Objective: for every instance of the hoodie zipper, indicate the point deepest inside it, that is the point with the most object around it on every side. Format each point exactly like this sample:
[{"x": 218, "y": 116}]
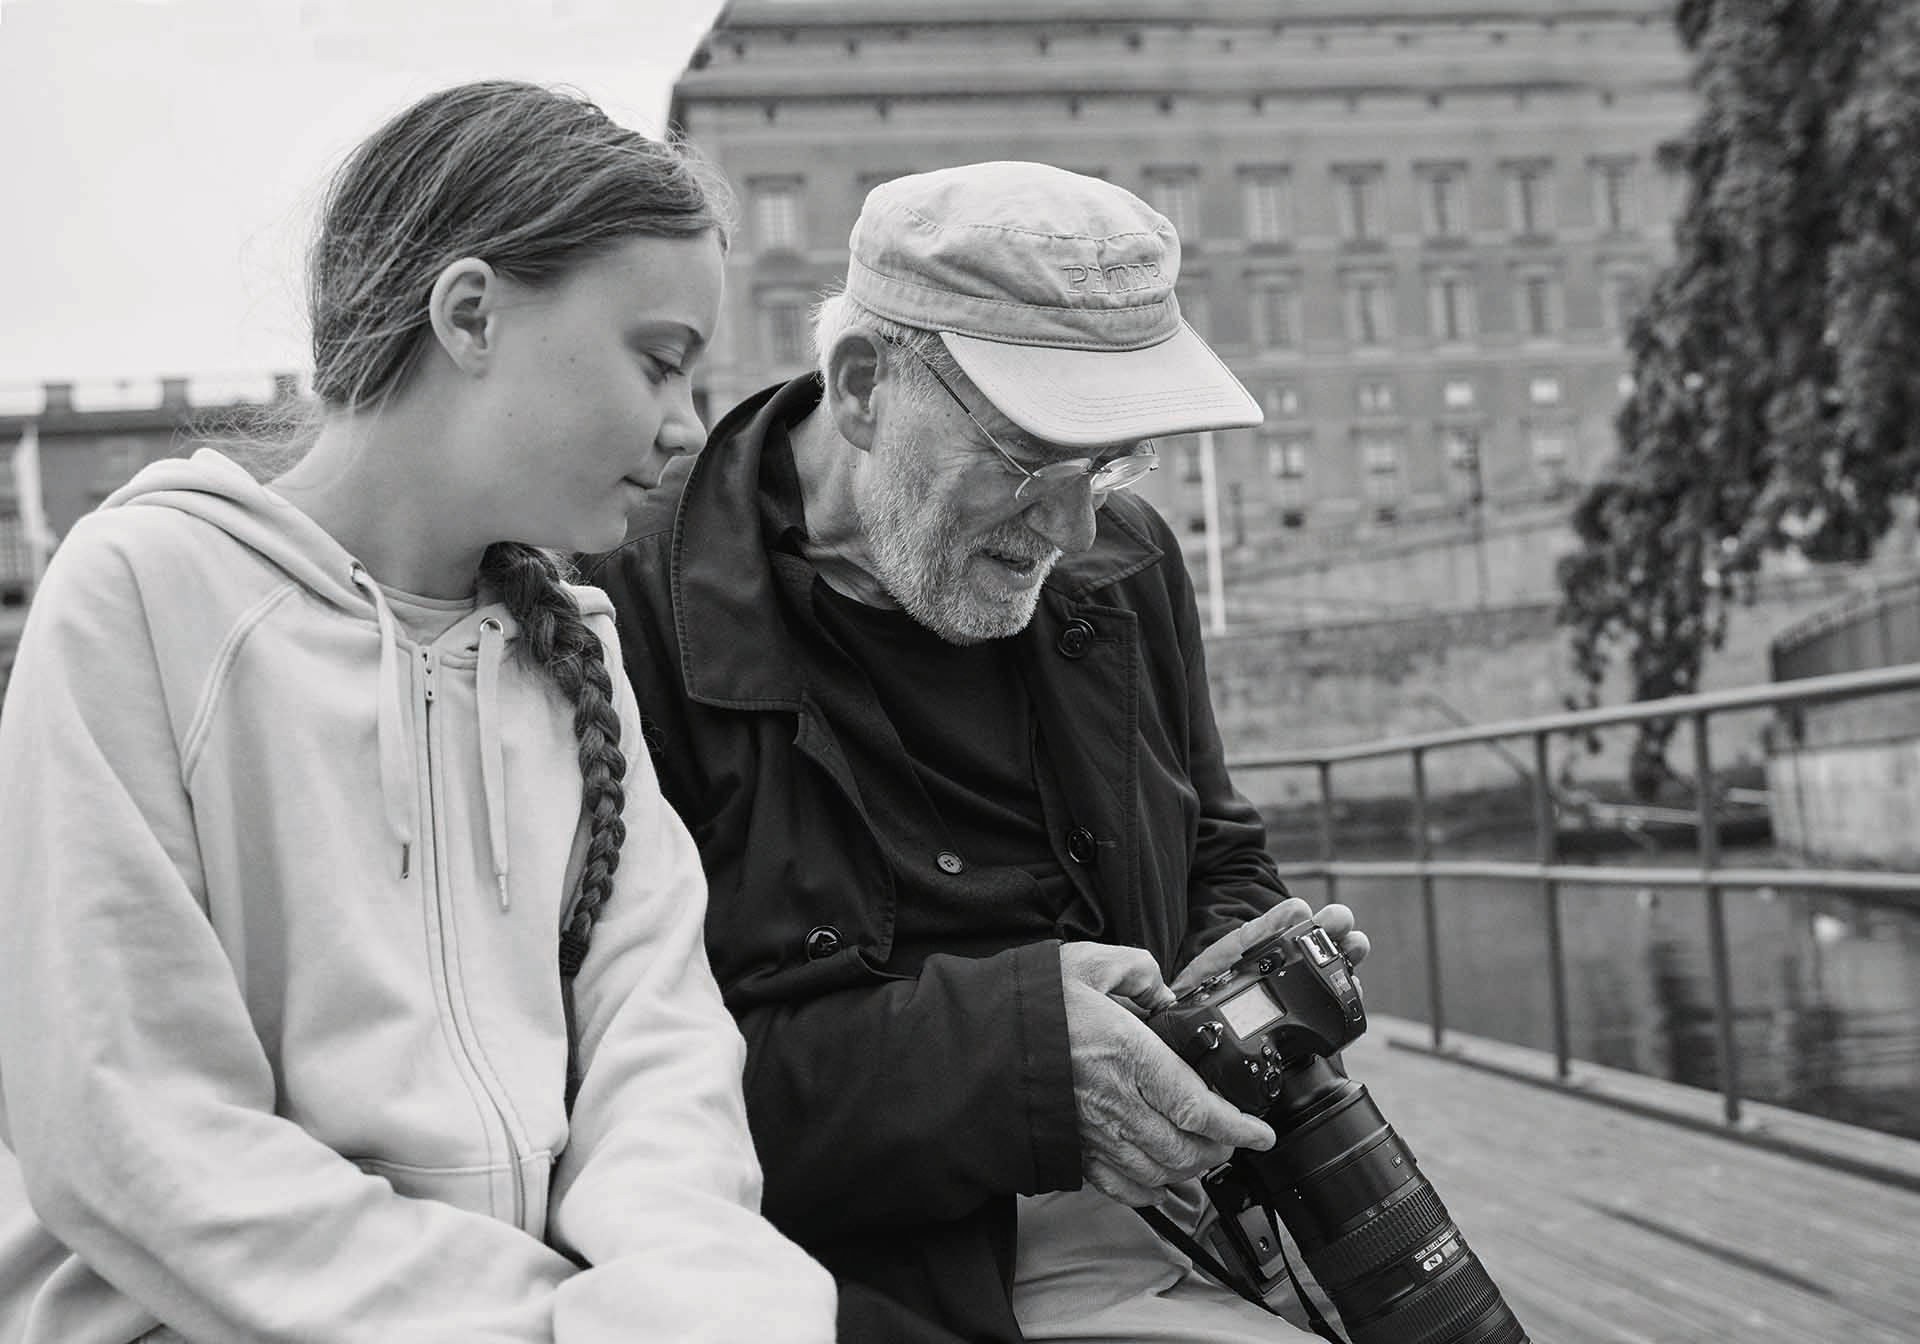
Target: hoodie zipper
[{"x": 463, "y": 1031}]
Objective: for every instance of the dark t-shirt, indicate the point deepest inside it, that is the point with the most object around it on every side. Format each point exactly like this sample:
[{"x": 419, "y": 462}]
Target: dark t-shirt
[{"x": 947, "y": 768}]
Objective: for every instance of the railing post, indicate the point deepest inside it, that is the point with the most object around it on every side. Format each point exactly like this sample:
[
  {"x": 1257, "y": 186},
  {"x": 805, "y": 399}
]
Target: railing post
[
  {"x": 1547, "y": 847},
  {"x": 1330, "y": 884},
  {"x": 1719, "y": 959},
  {"x": 1423, "y": 851}
]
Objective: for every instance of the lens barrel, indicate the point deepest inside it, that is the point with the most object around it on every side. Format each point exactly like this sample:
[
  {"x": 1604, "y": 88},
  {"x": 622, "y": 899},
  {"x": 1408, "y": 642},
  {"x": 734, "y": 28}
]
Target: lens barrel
[{"x": 1372, "y": 1229}]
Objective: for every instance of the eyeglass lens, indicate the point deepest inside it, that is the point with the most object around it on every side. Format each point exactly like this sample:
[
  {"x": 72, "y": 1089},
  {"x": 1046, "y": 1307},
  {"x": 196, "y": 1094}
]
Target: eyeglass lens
[{"x": 1114, "y": 475}]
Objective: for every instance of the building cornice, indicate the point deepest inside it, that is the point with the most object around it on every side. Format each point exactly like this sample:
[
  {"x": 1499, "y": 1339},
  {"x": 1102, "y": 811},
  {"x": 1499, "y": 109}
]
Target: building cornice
[
  {"x": 742, "y": 16},
  {"x": 1281, "y": 81}
]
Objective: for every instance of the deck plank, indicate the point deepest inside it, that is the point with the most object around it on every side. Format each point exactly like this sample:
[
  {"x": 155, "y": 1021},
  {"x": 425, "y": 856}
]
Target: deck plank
[{"x": 1602, "y": 1226}]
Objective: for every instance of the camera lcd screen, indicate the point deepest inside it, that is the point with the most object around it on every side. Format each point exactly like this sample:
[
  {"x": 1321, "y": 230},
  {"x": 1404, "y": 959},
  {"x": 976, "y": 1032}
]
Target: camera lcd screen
[{"x": 1251, "y": 1011}]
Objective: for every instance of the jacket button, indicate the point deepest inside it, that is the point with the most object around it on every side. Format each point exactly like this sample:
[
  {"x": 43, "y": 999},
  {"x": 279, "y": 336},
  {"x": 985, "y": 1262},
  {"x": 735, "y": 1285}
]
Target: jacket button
[
  {"x": 949, "y": 862},
  {"x": 1080, "y": 845},
  {"x": 1075, "y": 639},
  {"x": 822, "y": 941}
]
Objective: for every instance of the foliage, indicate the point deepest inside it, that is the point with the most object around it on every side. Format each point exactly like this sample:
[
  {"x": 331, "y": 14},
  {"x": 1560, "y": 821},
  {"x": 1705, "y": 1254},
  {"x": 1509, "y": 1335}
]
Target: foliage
[{"x": 1775, "y": 402}]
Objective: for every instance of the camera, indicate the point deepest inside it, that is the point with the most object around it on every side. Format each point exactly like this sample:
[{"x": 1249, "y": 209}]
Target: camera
[{"x": 1370, "y": 1227}]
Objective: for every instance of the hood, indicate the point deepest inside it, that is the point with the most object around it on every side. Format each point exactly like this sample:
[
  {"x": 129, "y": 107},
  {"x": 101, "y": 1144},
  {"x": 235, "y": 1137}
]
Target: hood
[{"x": 216, "y": 489}]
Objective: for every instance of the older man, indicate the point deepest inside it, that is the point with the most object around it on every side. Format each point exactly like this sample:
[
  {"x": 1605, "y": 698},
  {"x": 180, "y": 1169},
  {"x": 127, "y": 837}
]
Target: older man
[{"x": 927, "y": 684}]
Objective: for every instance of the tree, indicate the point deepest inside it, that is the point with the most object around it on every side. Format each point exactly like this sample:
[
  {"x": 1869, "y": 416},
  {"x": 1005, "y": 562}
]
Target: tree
[{"x": 1775, "y": 400}]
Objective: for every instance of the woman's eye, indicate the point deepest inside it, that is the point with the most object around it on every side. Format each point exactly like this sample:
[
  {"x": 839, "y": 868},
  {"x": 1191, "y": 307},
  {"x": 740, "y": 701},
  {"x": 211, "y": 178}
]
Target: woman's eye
[{"x": 660, "y": 370}]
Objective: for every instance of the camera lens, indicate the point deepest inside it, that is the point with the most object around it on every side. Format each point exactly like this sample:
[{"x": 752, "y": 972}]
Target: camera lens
[{"x": 1373, "y": 1231}]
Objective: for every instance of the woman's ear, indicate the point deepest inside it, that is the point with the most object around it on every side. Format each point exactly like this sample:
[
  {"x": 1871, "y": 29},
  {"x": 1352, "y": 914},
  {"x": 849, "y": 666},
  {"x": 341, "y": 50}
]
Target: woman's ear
[
  {"x": 462, "y": 308},
  {"x": 854, "y": 368}
]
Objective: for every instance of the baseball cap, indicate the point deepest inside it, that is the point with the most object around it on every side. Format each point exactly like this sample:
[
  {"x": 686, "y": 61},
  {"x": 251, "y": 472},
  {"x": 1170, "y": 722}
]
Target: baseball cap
[{"x": 1054, "y": 293}]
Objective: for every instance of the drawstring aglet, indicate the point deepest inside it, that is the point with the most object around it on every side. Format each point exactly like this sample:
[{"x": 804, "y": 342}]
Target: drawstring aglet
[
  {"x": 406, "y": 859},
  {"x": 506, "y": 901}
]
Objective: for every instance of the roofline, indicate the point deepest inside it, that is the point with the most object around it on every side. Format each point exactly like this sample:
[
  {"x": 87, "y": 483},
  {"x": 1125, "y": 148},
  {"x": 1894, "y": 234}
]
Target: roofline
[{"x": 749, "y": 15}]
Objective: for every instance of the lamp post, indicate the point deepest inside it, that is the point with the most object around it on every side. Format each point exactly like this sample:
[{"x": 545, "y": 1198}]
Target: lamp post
[
  {"x": 1210, "y": 502},
  {"x": 1467, "y": 460}
]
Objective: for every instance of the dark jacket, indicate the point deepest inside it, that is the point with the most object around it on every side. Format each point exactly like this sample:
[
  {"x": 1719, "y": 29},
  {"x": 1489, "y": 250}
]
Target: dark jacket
[{"x": 898, "y": 1117}]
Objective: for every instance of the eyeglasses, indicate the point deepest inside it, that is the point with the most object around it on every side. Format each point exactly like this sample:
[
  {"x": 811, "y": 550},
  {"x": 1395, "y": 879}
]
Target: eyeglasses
[{"x": 1102, "y": 477}]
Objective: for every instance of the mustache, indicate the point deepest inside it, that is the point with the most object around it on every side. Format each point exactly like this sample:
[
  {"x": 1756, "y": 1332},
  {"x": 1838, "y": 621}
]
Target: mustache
[{"x": 1020, "y": 545}]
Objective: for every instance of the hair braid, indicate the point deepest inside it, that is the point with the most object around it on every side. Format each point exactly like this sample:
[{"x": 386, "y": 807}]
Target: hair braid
[{"x": 529, "y": 582}]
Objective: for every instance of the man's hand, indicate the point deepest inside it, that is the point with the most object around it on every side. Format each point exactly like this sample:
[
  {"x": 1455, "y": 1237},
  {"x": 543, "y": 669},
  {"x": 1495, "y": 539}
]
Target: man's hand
[
  {"x": 1146, "y": 1119},
  {"x": 1337, "y": 920}
]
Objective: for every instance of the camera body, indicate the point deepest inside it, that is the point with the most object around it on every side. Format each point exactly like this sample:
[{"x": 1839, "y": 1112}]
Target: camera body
[
  {"x": 1372, "y": 1229},
  {"x": 1289, "y": 998}
]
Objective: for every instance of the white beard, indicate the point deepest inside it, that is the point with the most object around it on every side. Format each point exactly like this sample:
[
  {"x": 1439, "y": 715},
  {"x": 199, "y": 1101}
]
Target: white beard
[{"x": 919, "y": 557}]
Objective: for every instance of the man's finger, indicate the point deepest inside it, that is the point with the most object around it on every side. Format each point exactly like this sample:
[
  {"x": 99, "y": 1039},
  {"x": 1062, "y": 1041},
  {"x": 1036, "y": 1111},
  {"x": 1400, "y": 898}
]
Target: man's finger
[
  {"x": 1177, "y": 1092},
  {"x": 1355, "y": 946},
  {"x": 1128, "y": 972},
  {"x": 1227, "y": 949}
]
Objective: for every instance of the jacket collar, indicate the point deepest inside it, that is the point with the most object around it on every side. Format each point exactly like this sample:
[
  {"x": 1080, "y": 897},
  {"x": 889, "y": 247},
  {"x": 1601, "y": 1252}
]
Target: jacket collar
[{"x": 739, "y": 497}]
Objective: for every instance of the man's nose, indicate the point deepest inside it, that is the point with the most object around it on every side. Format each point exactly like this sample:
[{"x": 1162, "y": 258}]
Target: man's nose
[{"x": 1064, "y": 515}]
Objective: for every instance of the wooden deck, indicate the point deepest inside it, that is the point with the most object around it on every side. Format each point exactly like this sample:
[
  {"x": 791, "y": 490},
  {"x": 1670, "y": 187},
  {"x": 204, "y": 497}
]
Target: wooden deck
[{"x": 1601, "y": 1224}]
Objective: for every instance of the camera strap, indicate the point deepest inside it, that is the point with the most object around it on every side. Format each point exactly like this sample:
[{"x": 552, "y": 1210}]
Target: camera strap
[{"x": 1241, "y": 1282}]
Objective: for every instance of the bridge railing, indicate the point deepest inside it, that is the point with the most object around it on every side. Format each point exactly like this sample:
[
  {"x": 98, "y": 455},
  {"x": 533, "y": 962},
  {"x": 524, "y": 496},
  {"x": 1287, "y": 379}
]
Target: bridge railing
[{"x": 1547, "y": 872}]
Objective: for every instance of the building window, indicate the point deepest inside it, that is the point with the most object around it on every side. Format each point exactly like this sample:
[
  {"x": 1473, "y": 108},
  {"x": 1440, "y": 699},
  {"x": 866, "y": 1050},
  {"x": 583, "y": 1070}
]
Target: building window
[
  {"x": 1358, "y": 195},
  {"x": 785, "y": 321},
  {"x": 1543, "y": 389},
  {"x": 1530, "y": 198},
  {"x": 1457, "y": 394},
  {"x": 1615, "y": 206},
  {"x": 1621, "y": 295},
  {"x": 1550, "y": 447},
  {"x": 1537, "y": 304},
  {"x": 1276, "y": 315},
  {"x": 1283, "y": 402},
  {"x": 1380, "y": 455},
  {"x": 1461, "y": 445},
  {"x": 1266, "y": 204},
  {"x": 1374, "y": 396},
  {"x": 776, "y": 213},
  {"x": 1443, "y": 200},
  {"x": 1287, "y": 457},
  {"x": 1450, "y": 306},
  {"x": 1369, "y": 309},
  {"x": 1175, "y": 193}
]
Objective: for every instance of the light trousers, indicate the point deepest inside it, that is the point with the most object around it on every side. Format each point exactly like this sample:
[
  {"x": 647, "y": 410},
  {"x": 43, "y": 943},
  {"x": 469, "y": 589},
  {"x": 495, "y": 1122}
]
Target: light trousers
[{"x": 1088, "y": 1269}]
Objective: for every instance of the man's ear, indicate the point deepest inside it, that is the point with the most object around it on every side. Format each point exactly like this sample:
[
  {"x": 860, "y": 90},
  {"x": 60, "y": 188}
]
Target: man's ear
[
  {"x": 854, "y": 368},
  {"x": 462, "y": 309}
]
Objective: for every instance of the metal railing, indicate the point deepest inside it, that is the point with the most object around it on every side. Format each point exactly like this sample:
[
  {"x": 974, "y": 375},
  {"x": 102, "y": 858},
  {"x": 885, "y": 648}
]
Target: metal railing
[{"x": 1549, "y": 873}]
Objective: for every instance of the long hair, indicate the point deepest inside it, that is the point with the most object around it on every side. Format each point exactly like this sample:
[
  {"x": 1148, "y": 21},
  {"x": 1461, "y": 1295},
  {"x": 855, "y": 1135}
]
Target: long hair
[{"x": 534, "y": 181}]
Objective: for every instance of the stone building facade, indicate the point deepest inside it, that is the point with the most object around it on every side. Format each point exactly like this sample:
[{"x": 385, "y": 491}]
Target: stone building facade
[
  {"x": 87, "y": 439},
  {"x": 1416, "y": 230}
]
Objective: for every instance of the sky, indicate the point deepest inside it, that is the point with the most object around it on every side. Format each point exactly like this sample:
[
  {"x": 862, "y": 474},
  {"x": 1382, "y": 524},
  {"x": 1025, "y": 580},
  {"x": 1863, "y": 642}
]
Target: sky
[{"x": 163, "y": 159}]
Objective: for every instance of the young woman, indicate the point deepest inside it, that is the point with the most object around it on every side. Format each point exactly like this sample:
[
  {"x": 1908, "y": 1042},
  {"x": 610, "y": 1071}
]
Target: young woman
[{"x": 351, "y": 981}]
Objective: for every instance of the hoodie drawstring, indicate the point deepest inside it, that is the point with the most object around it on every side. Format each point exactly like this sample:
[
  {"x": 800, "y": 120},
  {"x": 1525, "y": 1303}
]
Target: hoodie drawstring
[
  {"x": 396, "y": 741},
  {"x": 396, "y": 754},
  {"x": 493, "y": 644}
]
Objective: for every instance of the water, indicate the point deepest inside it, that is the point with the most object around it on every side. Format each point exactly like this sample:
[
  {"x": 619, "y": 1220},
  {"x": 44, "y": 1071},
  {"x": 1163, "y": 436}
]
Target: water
[{"x": 1826, "y": 986}]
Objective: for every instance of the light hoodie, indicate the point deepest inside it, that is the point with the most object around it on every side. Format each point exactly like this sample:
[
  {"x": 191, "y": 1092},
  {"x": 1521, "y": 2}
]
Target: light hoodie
[{"x": 282, "y": 1042}]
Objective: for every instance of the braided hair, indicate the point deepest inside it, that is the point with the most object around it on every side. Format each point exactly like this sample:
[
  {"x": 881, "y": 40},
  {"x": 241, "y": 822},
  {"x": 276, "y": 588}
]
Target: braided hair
[
  {"x": 529, "y": 582},
  {"x": 534, "y": 181}
]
